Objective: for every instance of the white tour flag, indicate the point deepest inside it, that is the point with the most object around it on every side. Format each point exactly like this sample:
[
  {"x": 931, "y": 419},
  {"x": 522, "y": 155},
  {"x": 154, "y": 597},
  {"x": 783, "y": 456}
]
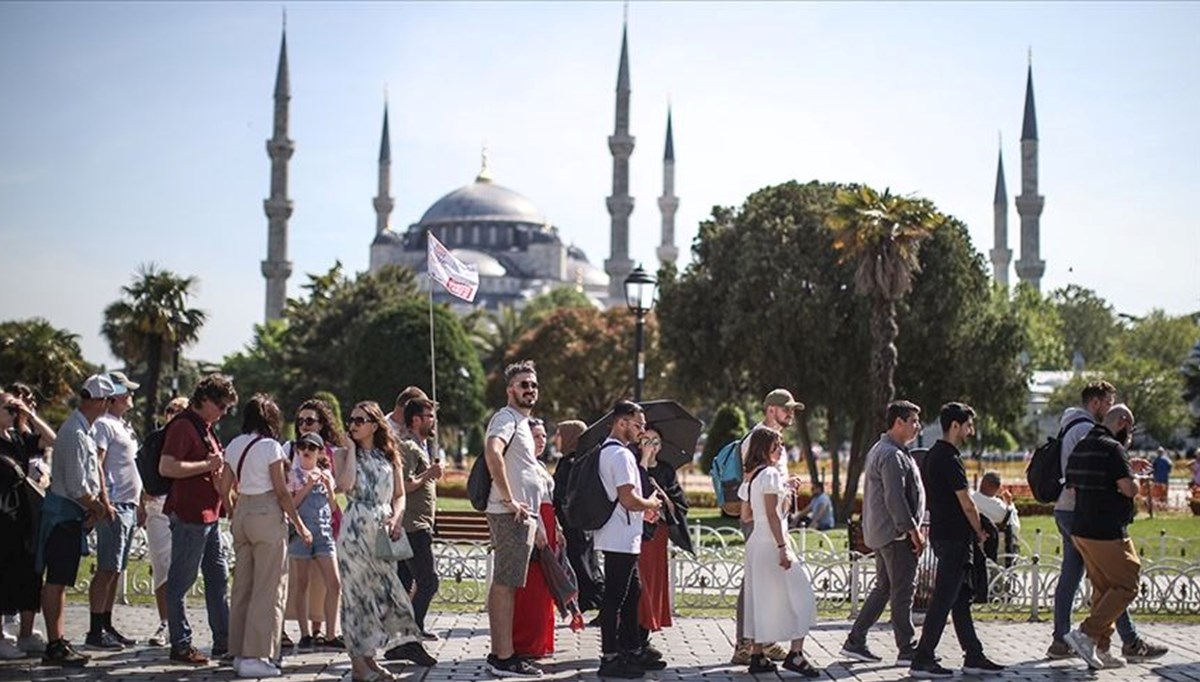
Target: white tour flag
[{"x": 459, "y": 278}]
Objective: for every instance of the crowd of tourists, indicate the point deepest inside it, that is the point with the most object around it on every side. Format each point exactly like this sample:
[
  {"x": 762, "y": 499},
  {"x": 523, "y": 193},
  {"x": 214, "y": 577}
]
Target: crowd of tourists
[{"x": 362, "y": 578}]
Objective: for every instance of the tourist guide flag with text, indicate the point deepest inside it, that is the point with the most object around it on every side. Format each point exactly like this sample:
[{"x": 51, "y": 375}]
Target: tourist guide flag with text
[{"x": 459, "y": 278}]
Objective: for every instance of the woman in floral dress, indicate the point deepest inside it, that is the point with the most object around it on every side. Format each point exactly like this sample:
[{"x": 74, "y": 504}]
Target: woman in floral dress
[{"x": 375, "y": 607}]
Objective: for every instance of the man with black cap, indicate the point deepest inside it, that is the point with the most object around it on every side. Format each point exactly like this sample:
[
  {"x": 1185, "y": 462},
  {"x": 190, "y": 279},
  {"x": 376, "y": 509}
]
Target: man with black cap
[
  {"x": 779, "y": 412},
  {"x": 116, "y": 447},
  {"x": 74, "y": 498}
]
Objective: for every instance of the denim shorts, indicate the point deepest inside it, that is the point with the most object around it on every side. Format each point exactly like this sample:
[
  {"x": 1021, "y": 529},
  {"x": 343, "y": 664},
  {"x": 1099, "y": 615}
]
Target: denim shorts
[
  {"x": 113, "y": 538},
  {"x": 322, "y": 544}
]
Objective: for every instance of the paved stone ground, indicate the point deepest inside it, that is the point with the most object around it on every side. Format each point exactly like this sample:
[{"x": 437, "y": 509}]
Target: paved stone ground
[{"x": 695, "y": 647}]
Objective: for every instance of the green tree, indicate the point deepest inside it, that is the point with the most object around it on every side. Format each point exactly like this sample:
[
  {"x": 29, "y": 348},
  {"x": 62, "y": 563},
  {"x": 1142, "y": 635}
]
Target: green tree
[
  {"x": 262, "y": 366},
  {"x": 728, "y": 423},
  {"x": 150, "y": 325},
  {"x": 1088, "y": 323},
  {"x": 1191, "y": 379},
  {"x": 882, "y": 234},
  {"x": 1046, "y": 349},
  {"x": 47, "y": 358}
]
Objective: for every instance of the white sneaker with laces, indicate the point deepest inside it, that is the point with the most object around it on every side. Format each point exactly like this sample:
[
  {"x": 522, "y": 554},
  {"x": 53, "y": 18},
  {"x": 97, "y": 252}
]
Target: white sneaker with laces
[
  {"x": 1085, "y": 646},
  {"x": 9, "y": 650},
  {"x": 35, "y": 643},
  {"x": 255, "y": 668},
  {"x": 1109, "y": 660}
]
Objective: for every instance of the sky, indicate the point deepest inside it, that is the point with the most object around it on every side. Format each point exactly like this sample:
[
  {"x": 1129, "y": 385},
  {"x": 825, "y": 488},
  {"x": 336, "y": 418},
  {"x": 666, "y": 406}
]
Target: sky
[{"x": 135, "y": 132}]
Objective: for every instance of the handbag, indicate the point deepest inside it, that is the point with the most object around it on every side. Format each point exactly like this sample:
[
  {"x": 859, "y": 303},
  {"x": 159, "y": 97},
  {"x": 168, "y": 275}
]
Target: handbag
[{"x": 392, "y": 550}]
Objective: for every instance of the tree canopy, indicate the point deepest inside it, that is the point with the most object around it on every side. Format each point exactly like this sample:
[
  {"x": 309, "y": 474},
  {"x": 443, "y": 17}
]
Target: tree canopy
[{"x": 46, "y": 358}]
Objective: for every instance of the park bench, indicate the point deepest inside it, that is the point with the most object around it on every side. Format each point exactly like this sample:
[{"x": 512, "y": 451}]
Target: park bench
[{"x": 461, "y": 526}]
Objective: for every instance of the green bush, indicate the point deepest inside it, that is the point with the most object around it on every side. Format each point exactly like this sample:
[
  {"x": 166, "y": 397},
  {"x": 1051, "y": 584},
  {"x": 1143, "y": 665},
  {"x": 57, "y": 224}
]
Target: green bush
[
  {"x": 728, "y": 423},
  {"x": 1027, "y": 506}
]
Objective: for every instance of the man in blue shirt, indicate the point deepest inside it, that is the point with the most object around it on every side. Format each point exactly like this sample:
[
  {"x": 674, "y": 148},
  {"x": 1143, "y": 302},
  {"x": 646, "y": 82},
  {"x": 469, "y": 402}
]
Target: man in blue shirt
[{"x": 819, "y": 512}]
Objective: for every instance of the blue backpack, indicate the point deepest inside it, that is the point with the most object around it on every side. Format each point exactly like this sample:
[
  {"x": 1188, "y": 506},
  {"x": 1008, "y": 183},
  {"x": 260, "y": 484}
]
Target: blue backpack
[{"x": 726, "y": 472}]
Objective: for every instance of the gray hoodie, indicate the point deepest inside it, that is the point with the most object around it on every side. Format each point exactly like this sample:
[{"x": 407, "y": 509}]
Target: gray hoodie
[
  {"x": 893, "y": 495},
  {"x": 1066, "y": 499}
]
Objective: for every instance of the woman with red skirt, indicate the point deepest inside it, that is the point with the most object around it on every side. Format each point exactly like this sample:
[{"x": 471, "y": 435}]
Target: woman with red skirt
[
  {"x": 533, "y": 612},
  {"x": 654, "y": 607}
]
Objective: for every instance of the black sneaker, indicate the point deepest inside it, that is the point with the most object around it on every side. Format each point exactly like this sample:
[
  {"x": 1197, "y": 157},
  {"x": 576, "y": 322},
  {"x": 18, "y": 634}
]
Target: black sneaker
[
  {"x": 797, "y": 663},
  {"x": 334, "y": 643},
  {"x": 928, "y": 670},
  {"x": 649, "y": 658},
  {"x": 305, "y": 644},
  {"x": 411, "y": 651},
  {"x": 429, "y": 636},
  {"x": 125, "y": 641},
  {"x": 621, "y": 668},
  {"x": 513, "y": 666},
  {"x": 284, "y": 640},
  {"x": 981, "y": 666},
  {"x": 61, "y": 653},
  {"x": 102, "y": 641},
  {"x": 1141, "y": 650},
  {"x": 759, "y": 663},
  {"x": 859, "y": 652}
]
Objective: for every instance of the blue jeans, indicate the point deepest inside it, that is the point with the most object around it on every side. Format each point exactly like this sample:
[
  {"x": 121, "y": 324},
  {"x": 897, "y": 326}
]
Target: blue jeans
[
  {"x": 196, "y": 547},
  {"x": 1068, "y": 584}
]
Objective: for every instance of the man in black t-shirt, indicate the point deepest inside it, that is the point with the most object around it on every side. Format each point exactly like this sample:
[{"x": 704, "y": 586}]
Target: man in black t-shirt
[
  {"x": 1101, "y": 473},
  {"x": 954, "y": 528}
]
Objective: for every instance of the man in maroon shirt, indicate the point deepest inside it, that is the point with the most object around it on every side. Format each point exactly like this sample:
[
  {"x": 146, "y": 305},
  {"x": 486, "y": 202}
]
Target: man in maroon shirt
[{"x": 192, "y": 456}]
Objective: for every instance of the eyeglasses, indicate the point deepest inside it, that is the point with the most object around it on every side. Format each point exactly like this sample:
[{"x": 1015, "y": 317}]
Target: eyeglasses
[
  {"x": 307, "y": 421},
  {"x": 357, "y": 421},
  {"x": 651, "y": 441},
  {"x": 226, "y": 407},
  {"x": 528, "y": 384}
]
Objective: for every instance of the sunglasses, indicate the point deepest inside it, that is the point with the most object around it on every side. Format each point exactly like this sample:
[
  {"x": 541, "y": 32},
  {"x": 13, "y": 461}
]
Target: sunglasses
[
  {"x": 651, "y": 441},
  {"x": 307, "y": 421},
  {"x": 528, "y": 384},
  {"x": 307, "y": 447},
  {"x": 357, "y": 421}
]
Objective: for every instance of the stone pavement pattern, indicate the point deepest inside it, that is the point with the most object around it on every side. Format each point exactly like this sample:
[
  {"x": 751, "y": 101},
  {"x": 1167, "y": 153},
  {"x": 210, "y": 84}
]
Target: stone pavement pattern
[{"x": 695, "y": 648}]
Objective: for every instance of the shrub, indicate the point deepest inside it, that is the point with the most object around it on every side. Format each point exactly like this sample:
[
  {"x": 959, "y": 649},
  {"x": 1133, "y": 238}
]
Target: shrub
[{"x": 728, "y": 423}]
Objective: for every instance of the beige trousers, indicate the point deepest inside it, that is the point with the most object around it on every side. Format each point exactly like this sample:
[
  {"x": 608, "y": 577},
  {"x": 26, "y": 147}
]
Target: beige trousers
[
  {"x": 259, "y": 577},
  {"x": 1113, "y": 568}
]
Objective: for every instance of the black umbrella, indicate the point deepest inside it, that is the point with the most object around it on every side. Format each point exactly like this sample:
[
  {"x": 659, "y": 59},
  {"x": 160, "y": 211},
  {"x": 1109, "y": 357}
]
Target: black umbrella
[{"x": 679, "y": 429}]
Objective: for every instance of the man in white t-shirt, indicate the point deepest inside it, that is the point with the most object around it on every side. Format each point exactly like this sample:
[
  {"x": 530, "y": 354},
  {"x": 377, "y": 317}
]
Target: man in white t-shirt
[
  {"x": 995, "y": 502},
  {"x": 511, "y": 514},
  {"x": 620, "y": 538},
  {"x": 116, "y": 446}
]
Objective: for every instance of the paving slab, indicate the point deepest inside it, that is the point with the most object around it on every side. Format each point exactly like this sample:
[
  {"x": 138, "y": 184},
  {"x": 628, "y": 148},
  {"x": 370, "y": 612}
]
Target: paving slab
[{"x": 696, "y": 648}]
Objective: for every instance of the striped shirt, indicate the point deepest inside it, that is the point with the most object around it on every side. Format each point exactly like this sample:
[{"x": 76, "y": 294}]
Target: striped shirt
[{"x": 1102, "y": 512}]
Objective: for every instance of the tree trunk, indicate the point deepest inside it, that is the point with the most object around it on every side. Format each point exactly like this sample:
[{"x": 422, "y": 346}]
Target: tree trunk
[
  {"x": 883, "y": 360},
  {"x": 854, "y": 468},
  {"x": 154, "y": 361},
  {"x": 806, "y": 448},
  {"x": 834, "y": 445}
]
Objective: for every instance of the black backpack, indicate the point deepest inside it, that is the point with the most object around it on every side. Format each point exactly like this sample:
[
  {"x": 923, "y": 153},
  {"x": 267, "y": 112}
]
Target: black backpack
[
  {"x": 479, "y": 481},
  {"x": 585, "y": 505},
  {"x": 1044, "y": 473},
  {"x": 150, "y": 454}
]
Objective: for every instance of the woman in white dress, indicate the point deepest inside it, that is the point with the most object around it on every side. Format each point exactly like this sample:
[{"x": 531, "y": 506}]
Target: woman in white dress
[{"x": 780, "y": 604}]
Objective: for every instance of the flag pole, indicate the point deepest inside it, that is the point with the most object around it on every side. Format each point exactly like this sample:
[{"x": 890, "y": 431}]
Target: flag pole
[{"x": 434, "y": 451}]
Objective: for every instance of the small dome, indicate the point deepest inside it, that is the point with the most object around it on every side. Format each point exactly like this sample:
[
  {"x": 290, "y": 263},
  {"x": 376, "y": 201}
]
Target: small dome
[
  {"x": 387, "y": 237},
  {"x": 482, "y": 201},
  {"x": 585, "y": 273},
  {"x": 485, "y": 265}
]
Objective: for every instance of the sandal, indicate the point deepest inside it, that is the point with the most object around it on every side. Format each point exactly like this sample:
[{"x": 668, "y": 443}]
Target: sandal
[{"x": 797, "y": 663}]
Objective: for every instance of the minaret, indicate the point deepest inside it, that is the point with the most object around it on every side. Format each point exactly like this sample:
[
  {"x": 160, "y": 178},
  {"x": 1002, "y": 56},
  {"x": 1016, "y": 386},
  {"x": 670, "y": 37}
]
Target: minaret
[
  {"x": 1001, "y": 254},
  {"x": 668, "y": 202},
  {"x": 1029, "y": 204},
  {"x": 277, "y": 268},
  {"x": 383, "y": 201},
  {"x": 620, "y": 204}
]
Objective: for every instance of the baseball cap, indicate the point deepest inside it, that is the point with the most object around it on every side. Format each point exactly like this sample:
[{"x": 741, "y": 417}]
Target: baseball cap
[
  {"x": 97, "y": 387},
  {"x": 122, "y": 384},
  {"x": 312, "y": 439},
  {"x": 781, "y": 397}
]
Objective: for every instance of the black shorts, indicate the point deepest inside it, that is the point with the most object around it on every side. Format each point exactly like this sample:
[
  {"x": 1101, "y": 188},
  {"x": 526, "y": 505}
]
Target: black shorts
[{"x": 63, "y": 553}]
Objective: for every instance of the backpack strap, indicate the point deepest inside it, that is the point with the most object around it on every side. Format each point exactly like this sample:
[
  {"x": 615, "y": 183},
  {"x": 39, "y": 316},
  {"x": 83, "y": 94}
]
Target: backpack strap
[
  {"x": 1072, "y": 424},
  {"x": 242, "y": 461}
]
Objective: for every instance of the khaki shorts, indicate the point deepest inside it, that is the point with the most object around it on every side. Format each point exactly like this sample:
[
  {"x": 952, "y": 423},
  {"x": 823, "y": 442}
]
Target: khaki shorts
[{"x": 512, "y": 545}]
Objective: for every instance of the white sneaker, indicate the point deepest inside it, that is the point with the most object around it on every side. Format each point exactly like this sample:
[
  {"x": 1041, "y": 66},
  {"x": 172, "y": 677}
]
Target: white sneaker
[
  {"x": 256, "y": 668},
  {"x": 33, "y": 644},
  {"x": 1084, "y": 646},
  {"x": 9, "y": 650},
  {"x": 159, "y": 638},
  {"x": 1109, "y": 660}
]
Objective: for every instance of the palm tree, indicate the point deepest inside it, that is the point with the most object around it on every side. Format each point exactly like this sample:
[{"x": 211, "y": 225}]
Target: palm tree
[
  {"x": 37, "y": 353},
  {"x": 881, "y": 234},
  {"x": 151, "y": 324}
]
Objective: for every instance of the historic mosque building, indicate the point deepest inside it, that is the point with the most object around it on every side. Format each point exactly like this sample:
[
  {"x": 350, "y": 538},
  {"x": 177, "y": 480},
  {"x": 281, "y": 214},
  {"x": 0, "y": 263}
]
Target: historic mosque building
[{"x": 520, "y": 253}]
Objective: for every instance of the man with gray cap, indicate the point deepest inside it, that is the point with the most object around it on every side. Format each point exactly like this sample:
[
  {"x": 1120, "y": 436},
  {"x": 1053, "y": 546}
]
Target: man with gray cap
[
  {"x": 116, "y": 447},
  {"x": 75, "y": 497},
  {"x": 779, "y": 412}
]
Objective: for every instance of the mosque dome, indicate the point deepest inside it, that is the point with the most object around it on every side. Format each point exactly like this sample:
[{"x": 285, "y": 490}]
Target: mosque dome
[
  {"x": 485, "y": 265},
  {"x": 482, "y": 201}
]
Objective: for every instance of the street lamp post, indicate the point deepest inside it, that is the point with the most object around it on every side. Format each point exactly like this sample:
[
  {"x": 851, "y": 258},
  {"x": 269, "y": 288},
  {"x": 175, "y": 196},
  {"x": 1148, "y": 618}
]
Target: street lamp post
[{"x": 639, "y": 296}]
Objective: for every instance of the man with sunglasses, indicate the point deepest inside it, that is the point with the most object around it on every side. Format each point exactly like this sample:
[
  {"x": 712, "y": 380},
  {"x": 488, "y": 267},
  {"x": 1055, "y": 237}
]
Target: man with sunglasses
[
  {"x": 193, "y": 457},
  {"x": 512, "y": 462}
]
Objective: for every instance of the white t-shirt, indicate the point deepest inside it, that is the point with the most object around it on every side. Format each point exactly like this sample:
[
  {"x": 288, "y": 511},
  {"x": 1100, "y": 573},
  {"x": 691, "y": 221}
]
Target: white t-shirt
[
  {"x": 996, "y": 509},
  {"x": 623, "y": 530},
  {"x": 520, "y": 464},
  {"x": 255, "y": 478},
  {"x": 116, "y": 438}
]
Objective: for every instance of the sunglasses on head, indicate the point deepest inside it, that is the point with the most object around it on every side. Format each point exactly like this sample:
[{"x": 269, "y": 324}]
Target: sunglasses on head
[
  {"x": 307, "y": 421},
  {"x": 357, "y": 421}
]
